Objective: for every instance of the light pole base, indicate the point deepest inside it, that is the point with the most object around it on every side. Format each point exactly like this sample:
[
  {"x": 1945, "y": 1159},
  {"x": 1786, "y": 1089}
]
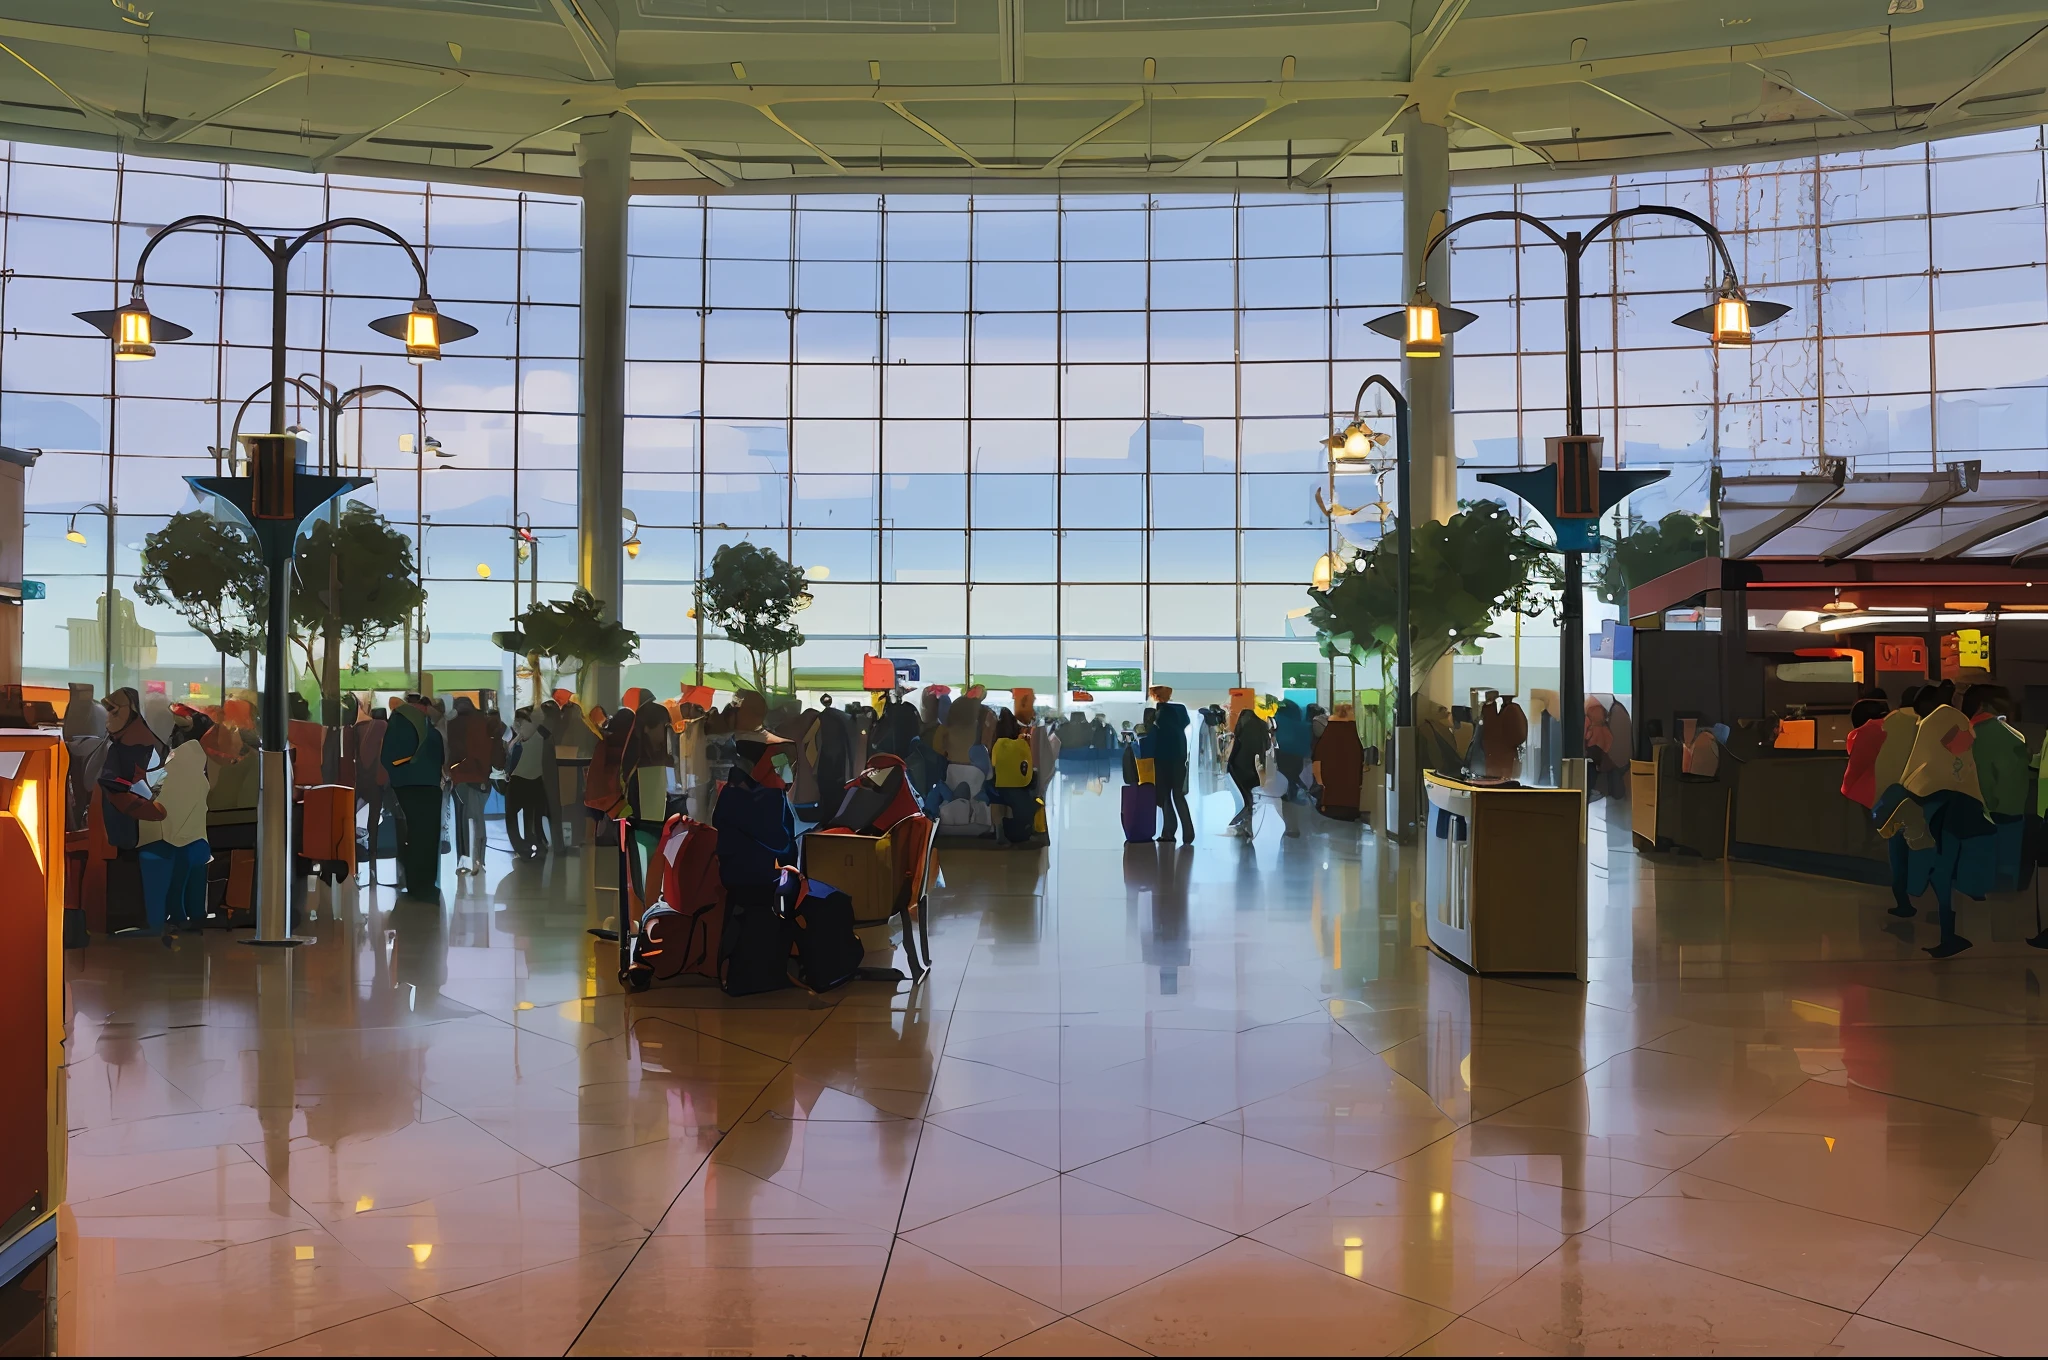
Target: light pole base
[{"x": 1403, "y": 787}]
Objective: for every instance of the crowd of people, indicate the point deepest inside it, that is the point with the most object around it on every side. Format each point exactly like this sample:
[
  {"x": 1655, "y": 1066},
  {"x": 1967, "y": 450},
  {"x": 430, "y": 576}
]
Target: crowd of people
[
  {"x": 163, "y": 796},
  {"x": 1947, "y": 780}
]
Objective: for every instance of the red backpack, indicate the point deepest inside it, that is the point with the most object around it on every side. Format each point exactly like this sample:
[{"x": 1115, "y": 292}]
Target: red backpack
[
  {"x": 680, "y": 933},
  {"x": 876, "y": 799}
]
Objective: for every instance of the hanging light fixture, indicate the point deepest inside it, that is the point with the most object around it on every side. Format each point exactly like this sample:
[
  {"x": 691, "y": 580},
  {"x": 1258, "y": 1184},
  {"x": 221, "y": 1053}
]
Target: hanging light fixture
[
  {"x": 820, "y": 572},
  {"x": 72, "y": 531},
  {"x": 423, "y": 330},
  {"x": 1422, "y": 325},
  {"x": 1328, "y": 568},
  {"x": 1731, "y": 319},
  {"x": 433, "y": 446},
  {"x": 483, "y": 569},
  {"x": 134, "y": 330}
]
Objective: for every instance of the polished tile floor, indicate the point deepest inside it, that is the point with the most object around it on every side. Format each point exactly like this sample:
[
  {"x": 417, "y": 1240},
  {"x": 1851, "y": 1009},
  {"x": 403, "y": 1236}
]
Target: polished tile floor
[{"x": 1214, "y": 1101}]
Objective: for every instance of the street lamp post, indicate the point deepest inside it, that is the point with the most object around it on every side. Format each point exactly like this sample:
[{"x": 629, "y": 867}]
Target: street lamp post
[
  {"x": 274, "y": 500},
  {"x": 333, "y": 404},
  {"x": 1729, "y": 319}
]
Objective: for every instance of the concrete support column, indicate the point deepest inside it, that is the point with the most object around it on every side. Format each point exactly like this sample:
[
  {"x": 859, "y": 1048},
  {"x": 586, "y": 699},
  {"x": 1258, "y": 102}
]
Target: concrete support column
[
  {"x": 1425, "y": 207},
  {"x": 604, "y": 155}
]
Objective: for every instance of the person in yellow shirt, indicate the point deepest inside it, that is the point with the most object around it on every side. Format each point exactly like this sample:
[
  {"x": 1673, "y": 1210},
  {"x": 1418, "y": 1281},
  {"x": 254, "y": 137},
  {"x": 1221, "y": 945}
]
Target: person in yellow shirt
[{"x": 1011, "y": 757}]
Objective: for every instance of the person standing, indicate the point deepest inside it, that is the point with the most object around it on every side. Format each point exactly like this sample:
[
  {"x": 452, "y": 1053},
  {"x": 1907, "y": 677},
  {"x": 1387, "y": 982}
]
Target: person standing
[
  {"x": 1294, "y": 745},
  {"x": 412, "y": 755},
  {"x": 1170, "y": 765},
  {"x": 1248, "y": 741},
  {"x": 526, "y": 796},
  {"x": 468, "y": 742},
  {"x": 372, "y": 782}
]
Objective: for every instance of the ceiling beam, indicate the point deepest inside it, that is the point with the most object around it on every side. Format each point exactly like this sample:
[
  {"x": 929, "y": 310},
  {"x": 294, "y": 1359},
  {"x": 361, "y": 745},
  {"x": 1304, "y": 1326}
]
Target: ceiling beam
[
  {"x": 1538, "y": 152},
  {"x": 1060, "y": 157},
  {"x": 1194, "y": 162},
  {"x": 928, "y": 130},
  {"x": 593, "y": 45},
  {"x": 1808, "y": 96},
  {"x": 690, "y": 158},
  {"x": 450, "y": 83},
  {"x": 286, "y": 71},
  {"x": 1322, "y": 169},
  {"x": 105, "y": 119},
  {"x": 1677, "y": 127},
  {"x": 1425, "y": 43},
  {"x": 1952, "y": 107},
  {"x": 772, "y": 116}
]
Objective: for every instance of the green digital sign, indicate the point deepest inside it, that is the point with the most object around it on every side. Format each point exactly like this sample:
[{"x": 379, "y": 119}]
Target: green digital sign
[
  {"x": 1110, "y": 679},
  {"x": 1297, "y": 675}
]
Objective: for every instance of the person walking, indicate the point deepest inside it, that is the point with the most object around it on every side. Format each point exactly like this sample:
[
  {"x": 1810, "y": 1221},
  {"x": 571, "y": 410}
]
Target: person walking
[
  {"x": 1248, "y": 741},
  {"x": 412, "y": 755},
  {"x": 1170, "y": 764},
  {"x": 468, "y": 741}
]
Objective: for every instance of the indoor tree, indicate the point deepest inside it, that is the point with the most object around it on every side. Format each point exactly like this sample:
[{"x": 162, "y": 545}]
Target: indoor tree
[
  {"x": 209, "y": 573},
  {"x": 1463, "y": 574},
  {"x": 357, "y": 584},
  {"x": 753, "y": 596},
  {"x": 1650, "y": 550},
  {"x": 573, "y": 633}
]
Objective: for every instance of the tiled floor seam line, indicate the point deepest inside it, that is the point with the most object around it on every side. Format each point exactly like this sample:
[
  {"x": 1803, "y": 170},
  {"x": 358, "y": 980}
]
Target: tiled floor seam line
[
  {"x": 349, "y": 1322},
  {"x": 1922, "y": 1238},
  {"x": 598, "y": 1307},
  {"x": 896, "y": 1232}
]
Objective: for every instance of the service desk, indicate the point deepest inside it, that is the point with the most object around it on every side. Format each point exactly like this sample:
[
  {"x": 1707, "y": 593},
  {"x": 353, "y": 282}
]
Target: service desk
[{"x": 1504, "y": 872}]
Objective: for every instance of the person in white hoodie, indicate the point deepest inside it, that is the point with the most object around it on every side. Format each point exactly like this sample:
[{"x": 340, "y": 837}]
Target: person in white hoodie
[{"x": 174, "y": 852}]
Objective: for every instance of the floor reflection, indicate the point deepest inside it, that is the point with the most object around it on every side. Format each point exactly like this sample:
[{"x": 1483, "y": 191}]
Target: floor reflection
[{"x": 1155, "y": 1097}]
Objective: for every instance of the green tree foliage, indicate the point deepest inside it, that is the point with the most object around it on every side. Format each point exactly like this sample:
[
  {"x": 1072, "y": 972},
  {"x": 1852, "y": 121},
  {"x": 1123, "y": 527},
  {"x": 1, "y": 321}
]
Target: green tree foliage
[
  {"x": 573, "y": 633},
  {"x": 752, "y": 596},
  {"x": 1650, "y": 550},
  {"x": 378, "y": 583},
  {"x": 1463, "y": 573},
  {"x": 210, "y": 573}
]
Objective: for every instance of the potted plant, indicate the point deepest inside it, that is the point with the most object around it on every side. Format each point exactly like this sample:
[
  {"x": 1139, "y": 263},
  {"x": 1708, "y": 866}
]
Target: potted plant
[{"x": 573, "y": 633}]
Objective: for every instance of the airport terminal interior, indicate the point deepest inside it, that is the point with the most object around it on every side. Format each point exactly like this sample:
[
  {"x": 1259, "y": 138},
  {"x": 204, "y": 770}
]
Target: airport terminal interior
[{"x": 1023, "y": 677}]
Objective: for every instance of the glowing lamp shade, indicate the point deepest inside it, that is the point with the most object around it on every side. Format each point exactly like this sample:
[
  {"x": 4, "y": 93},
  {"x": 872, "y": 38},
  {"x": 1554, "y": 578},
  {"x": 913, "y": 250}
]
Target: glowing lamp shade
[
  {"x": 423, "y": 330},
  {"x": 135, "y": 331},
  {"x": 134, "y": 341},
  {"x": 1425, "y": 335},
  {"x": 1422, "y": 325},
  {"x": 1731, "y": 319},
  {"x": 1328, "y": 567},
  {"x": 633, "y": 546},
  {"x": 819, "y": 572},
  {"x": 483, "y": 570},
  {"x": 72, "y": 533}
]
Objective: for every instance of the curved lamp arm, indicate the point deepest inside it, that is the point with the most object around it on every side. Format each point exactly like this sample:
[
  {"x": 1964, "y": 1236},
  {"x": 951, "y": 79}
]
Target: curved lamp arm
[
  {"x": 1499, "y": 215},
  {"x": 311, "y": 234},
  {"x": 235, "y": 430},
  {"x": 1713, "y": 233},
  {"x": 226, "y": 224}
]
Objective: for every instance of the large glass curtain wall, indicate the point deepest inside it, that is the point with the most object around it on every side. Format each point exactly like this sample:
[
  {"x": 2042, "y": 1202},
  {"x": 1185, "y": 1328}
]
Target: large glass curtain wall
[
  {"x": 1003, "y": 431},
  {"x": 123, "y": 435}
]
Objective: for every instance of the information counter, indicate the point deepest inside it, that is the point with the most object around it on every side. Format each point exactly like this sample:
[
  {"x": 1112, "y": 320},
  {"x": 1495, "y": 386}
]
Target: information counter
[{"x": 1504, "y": 871}]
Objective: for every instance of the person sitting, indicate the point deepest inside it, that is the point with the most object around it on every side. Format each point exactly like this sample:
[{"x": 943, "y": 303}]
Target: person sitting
[{"x": 1011, "y": 761}]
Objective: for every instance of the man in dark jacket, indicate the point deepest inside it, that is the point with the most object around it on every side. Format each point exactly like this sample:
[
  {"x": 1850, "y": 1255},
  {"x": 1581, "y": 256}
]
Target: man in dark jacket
[
  {"x": 412, "y": 757},
  {"x": 1170, "y": 764}
]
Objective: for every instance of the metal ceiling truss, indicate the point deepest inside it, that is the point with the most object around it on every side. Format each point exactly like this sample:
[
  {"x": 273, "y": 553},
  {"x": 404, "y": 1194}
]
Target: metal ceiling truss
[{"x": 555, "y": 103}]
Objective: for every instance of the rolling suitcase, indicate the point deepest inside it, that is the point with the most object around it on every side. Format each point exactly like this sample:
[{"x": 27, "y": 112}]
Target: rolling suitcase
[
  {"x": 327, "y": 831},
  {"x": 1141, "y": 812}
]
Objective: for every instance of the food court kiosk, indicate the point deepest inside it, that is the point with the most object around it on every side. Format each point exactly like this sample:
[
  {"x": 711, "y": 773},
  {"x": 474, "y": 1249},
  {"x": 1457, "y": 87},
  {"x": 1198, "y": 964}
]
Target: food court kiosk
[{"x": 1827, "y": 585}]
